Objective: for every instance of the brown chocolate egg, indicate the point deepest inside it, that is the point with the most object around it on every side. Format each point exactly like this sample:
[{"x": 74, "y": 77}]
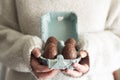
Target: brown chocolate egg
[
  {"x": 50, "y": 51},
  {"x": 69, "y": 52},
  {"x": 51, "y": 40},
  {"x": 71, "y": 41}
]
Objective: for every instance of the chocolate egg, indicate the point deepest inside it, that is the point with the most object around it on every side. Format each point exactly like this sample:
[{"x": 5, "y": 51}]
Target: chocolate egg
[
  {"x": 50, "y": 51},
  {"x": 51, "y": 40},
  {"x": 69, "y": 52},
  {"x": 71, "y": 41}
]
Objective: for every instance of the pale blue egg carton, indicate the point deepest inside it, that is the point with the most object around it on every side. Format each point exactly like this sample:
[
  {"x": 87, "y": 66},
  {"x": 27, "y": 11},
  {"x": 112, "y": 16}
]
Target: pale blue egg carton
[{"x": 61, "y": 25}]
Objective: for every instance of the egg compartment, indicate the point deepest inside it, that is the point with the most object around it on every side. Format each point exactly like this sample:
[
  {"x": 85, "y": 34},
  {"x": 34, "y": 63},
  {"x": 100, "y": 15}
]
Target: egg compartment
[{"x": 61, "y": 25}]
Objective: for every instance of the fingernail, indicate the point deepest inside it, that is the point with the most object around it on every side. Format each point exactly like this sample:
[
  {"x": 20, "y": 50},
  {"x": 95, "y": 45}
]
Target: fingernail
[
  {"x": 83, "y": 54},
  {"x": 38, "y": 55}
]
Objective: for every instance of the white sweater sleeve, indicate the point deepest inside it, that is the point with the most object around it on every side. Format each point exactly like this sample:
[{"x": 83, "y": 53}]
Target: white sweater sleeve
[
  {"x": 104, "y": 46},
  {"x": 15, "y": 47}
]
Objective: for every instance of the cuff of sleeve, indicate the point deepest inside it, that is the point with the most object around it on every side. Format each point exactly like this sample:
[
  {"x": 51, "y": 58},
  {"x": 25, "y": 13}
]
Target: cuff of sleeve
[
  {"x": 30, "y": 43},
  {"x": 86, "y": 42}
]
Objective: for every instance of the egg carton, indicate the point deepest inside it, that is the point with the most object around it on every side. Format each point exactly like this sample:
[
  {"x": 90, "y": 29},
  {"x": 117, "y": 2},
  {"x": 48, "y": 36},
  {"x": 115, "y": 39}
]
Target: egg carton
[{"x": 61, "y": 25}]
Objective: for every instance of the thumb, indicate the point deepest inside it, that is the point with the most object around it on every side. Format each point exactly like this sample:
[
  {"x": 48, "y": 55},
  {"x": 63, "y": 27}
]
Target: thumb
[
  {"x": 36, "y": 52},
  {"x": 83, "y": 53}
]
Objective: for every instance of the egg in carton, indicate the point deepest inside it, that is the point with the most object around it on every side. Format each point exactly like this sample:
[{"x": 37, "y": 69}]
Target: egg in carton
[{"x": 59, "y": 53}]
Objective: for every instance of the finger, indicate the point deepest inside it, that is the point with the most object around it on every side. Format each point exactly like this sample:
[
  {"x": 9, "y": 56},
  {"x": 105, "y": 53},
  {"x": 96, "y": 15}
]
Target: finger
[
  {"x": 83, "y": 53},
  {"x": 49, "y": 74},
  {"x": 81, "y": 68},
  {"x": 73, "y": 73},
  {"x": 36, "y": 52},
  {"x": 37, "y": 67}
]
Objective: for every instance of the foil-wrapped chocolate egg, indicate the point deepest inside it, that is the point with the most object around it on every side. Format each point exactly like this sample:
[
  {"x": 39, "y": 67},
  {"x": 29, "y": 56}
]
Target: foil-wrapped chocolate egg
[
  {"x": 51, "y": 40},
  {"x": 71, "y": 41},
  {"x": 69, "y": 52},
  {"x": 50, "y": 51}
]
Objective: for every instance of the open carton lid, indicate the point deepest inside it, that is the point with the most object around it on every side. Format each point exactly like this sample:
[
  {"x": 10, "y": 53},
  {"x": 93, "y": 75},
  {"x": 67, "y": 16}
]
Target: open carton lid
[{"x": 61, "y": 25}]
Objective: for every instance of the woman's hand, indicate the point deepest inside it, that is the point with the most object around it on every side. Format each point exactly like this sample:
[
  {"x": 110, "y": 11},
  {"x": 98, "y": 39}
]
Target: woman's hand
[
  {"x": 79, "y": 69},
  {"x": 42, "y": 72}
]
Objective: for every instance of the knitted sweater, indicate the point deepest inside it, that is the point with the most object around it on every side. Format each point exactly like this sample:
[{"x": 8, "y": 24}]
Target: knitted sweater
[{"x": 98, "y": 30}]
